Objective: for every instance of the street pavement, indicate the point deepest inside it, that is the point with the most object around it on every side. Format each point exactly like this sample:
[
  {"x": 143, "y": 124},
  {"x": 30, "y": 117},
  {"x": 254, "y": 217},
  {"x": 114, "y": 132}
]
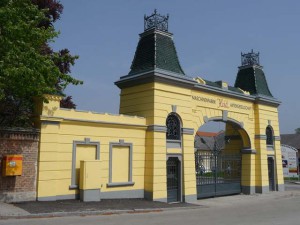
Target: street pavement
[
  {"x": 292, "y": 186},
  {"x": 274, "y": 208}
]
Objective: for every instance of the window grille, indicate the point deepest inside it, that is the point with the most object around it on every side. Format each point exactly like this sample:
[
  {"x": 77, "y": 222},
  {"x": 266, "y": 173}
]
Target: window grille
[
  {"x": 269, "y": 135},
  {"x": 173, "y": 127}
]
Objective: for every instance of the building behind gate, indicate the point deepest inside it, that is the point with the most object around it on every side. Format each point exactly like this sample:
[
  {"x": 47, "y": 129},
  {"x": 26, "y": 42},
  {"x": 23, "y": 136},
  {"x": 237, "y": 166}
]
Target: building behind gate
[{"x": 147, "y": 151}]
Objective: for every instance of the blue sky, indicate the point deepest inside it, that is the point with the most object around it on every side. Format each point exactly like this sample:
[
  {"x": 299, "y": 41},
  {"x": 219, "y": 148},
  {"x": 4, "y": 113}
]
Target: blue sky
[{"x": 209, "y": 37}]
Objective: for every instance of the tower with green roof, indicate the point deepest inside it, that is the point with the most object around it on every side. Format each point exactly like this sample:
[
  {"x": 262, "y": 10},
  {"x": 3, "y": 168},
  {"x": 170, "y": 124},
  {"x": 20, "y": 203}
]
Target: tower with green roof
[
  {"x": 156, "y": 49},
  {"x": 176, "y": 105},
  {"x": 251, "y": 76},
  {"x": 154, "y": 69},
  {"x": 155, "y": 55}
]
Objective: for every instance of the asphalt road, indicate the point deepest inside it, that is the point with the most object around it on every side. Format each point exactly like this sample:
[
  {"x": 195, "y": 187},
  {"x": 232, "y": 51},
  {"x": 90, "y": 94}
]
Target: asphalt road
[
  {"x": 274, "y": 209},
  {"x": 292, "y": 187}
]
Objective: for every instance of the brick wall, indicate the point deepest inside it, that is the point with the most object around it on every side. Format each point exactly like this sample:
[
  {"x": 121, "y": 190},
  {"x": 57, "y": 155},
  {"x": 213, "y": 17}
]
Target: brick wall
[{"x": 23, "y": 142}]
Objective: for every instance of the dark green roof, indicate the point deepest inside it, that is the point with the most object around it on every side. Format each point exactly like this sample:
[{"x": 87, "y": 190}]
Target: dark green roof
[
  {"x": 144, "y": 55},
  {"x": 235, "y": 89},
  {"x": 218, "y": 85},
  {"x": 252, "y": 79},
  {"x": 211, "y": 83},
  {"x": 155, "y": 49}
]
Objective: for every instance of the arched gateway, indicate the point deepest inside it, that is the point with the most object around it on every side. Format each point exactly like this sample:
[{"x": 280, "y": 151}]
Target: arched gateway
[
  {"x": 148, "y": 151},
  {"x": 218, "y": 160},
  {"x": 157, "y": 86}
]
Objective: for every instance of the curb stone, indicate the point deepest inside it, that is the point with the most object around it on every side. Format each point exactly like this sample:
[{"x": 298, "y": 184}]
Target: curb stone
[{"x": 91, "y": 213}]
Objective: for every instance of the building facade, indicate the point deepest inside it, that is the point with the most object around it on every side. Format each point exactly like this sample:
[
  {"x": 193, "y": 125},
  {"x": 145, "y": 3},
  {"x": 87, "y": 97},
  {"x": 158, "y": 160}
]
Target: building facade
[{"x": 147, "y": 151}]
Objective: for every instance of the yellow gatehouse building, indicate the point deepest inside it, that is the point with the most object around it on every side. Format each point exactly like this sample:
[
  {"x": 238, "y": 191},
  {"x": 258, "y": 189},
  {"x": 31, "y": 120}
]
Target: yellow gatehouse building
[{"x": 147, "y": 151}]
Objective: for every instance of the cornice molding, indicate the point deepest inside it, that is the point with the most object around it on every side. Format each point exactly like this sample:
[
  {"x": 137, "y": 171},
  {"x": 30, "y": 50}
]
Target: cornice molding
[
  {"x": 157, "y": 128},
  {"x": 188, "y": 82}
]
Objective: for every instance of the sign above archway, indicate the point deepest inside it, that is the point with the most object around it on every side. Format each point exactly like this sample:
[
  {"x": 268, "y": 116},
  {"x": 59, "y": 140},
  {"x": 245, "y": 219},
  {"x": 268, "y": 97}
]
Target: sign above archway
[{"x": 221, "y": 103}]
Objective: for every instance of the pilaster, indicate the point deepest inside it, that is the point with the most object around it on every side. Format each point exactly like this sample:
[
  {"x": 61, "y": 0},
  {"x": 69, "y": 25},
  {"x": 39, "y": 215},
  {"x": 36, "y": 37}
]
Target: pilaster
[
  {"x": 189, "y": 177},
  {"x": 48, "y": 162},
  {"x": 155, "y": 166}
]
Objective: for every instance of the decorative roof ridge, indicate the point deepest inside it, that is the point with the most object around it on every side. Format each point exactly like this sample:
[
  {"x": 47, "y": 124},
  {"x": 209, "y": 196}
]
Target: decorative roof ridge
[
  {"x": 255, "y": 81},
  {"x": 266, "y": 99},
  {"x": 157, "y": 21},
  {"x": 155, "y": 31},
  {"x": 251, "y": 66},
  {"x": 155, "y": 50},
  {"x": 156, "y": 70},
  {"x": 200, "y": 80},
  {"x": 265, "y": 96},
  {"x": 245, "y": 92},
  {"x": 224, "y": 91},
  {"x": 220, "y": 85},
  {"x": 53, "y": 97},
  {"x": 250, "y": 58},
  {"x": 136, "y": 74},
  {"x": 174, "y": 74}
]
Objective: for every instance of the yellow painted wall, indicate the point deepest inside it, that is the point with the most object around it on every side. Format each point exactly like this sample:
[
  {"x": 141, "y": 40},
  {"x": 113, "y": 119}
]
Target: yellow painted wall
[
  {"x": 265, "y": 116},
  {"x": 193, "y": 106},
  {"x": 141, "y": 107},
  {"x": 60, "y": 127},
  {"x": 120, "y": 164}
]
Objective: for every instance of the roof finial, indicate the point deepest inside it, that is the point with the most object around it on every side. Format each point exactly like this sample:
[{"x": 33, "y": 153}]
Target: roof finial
[
  {"x": 156, "y": 21},
  {"x": 250, "y": 59}
]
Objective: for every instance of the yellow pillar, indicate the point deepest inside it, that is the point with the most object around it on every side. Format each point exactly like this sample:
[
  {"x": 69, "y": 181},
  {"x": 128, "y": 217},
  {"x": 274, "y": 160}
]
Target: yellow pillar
[
  {"x": 189, "y": 177},
  {"x": 48, "y": 161},
  {"x": 248, "y": 171},
  {"x": 155, "y": 166}
]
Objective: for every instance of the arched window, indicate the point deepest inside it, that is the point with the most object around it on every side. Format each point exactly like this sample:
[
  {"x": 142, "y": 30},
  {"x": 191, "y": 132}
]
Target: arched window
[
  {"x": 173, "y": 127},
  {"x": 269, "y": 135}
]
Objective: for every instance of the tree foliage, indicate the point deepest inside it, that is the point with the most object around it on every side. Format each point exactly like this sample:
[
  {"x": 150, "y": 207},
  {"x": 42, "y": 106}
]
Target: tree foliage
[
  {"x": 67, "y": 103},
  {"x": 28, "y": 66},
  {"x": 63, "y": 60},
  {"x": 53, "y": 12},
  {"x": 297, "y": 131}
]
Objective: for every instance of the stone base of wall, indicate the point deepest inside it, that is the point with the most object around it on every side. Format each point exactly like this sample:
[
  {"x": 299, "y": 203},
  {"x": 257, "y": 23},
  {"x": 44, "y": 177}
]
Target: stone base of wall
[
  {"x": 14, "y": 141},
  {"x": 17, "y": 196}
]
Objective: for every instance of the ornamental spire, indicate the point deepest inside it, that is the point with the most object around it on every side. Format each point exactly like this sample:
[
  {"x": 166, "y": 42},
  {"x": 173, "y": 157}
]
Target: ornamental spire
[
  {"x": 250, "y": 58},
  {"x": 156, "y": 21}
]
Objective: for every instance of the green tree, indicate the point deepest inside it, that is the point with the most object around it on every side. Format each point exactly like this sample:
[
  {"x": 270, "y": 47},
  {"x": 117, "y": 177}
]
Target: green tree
[
  {"x": 53, "y": 10},
  {"x": 25, "y": 70},
  {"x": 297, "y": 131}
]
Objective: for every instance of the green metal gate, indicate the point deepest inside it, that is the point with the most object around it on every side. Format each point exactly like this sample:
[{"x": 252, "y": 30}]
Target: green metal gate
[
  {"x": 173, "y": 179},
  {"x": 217, "y": 173},
  {"x": 271, "y": 173}
]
